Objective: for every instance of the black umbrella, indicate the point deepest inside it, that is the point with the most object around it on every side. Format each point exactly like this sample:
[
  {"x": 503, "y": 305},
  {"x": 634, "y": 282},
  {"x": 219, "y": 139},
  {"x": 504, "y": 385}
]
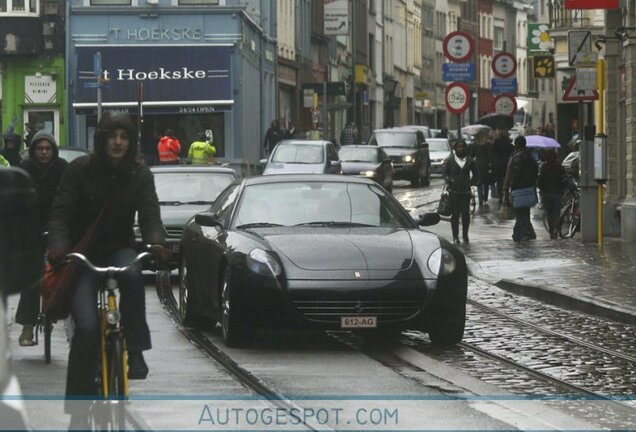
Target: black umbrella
[{"x": 497, "y": 121}]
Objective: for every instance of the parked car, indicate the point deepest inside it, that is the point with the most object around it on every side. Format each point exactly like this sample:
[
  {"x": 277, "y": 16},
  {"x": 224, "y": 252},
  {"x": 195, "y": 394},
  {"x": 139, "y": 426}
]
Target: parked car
[
  {"x": 367, "y": 161},
  {"x": 439, "y": 150},
  {"x": 66, "y": 153},
  {"x": 333, "y": 252},
  {"x": 183, "y": 191},
  {"x": 303, "y": 156},
  {"x": 408, "y": 151}
]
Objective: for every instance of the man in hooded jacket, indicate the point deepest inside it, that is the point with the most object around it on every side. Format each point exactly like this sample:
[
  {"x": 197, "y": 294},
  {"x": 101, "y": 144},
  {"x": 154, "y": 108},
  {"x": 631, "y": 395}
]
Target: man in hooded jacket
[
  {"x": 11, "y": 152},
  {"x": 45, "y": 167},
  {"x": 111, "y": 179}
]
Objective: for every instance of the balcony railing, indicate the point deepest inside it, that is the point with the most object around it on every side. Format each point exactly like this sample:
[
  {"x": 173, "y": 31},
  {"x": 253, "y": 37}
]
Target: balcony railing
[{"x": 563, "y": 18}]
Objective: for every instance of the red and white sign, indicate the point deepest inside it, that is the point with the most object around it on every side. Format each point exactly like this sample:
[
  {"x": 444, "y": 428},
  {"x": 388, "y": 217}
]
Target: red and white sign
[
  {"x": 591, "y": 4},
  {"x": 458, "y": 47},
  {"x": 457, "y": 97},
  {"x": 505, "y": 104},
  {"x": 572, "y": 93},
  {"x": 504, "y": 65}
]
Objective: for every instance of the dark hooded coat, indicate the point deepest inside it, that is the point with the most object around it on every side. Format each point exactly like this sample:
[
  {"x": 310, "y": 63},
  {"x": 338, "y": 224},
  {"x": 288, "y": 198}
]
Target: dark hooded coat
[
  {"x": 46, "y": 178},
  {"x": 91, "y": 181}
]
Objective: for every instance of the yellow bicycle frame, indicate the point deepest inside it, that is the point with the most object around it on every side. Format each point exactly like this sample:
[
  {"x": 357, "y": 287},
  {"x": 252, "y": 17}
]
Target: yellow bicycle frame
[{"x": 110, "y": 300}]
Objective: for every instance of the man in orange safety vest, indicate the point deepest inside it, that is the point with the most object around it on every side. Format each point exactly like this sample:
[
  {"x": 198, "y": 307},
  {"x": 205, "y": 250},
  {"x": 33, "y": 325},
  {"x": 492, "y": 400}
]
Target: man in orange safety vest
[{"x": 169, "y": 148}]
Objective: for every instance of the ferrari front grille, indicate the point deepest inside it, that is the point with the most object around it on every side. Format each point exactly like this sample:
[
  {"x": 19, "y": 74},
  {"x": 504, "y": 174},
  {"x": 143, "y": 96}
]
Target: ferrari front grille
[{"x": 330, "y": 311}]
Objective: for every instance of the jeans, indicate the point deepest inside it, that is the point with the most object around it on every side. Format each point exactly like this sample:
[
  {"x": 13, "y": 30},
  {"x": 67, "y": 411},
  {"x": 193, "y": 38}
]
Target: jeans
[
  {"x": 84, "y": 353},
  {"x": 482, "y": 192},
  {"x": 523, "y": 229},
  {"x": 460, "y": 205}
]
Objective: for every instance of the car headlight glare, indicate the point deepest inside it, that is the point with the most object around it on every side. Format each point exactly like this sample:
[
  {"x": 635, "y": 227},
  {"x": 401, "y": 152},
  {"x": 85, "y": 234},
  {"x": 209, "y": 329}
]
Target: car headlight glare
[
  {"x": 442, "y": 262},
  {"x": 263, "y": 263},
  {"x": 409, "y": 158},
  {"x": 368, "y": 173}
]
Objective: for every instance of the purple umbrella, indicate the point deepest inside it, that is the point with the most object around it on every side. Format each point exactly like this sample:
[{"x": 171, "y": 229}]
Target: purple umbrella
[{"x": 541, "y": 141}]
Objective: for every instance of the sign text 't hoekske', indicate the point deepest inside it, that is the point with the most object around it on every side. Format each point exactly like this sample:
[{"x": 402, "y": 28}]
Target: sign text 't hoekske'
[
  {"x": 187, "y": 75},
  {"x": 183, "y": 73}
]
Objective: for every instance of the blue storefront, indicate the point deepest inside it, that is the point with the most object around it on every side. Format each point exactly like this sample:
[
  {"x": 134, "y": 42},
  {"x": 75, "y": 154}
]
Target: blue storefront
[{"x": 186, "y": 68}]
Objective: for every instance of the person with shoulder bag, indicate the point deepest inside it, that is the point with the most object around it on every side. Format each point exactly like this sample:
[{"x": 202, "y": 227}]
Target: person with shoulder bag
[
  {"x": 110, "y": 185},
  {"x": 460, "y": 173},
  {"x": 520, "y": 190}
]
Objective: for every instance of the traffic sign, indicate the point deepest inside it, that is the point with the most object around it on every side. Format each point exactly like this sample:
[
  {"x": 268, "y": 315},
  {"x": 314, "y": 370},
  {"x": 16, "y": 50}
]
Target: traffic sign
[
  {"x": 457, "y": 97},
  {"x": 336, "y": 18},
  {"x": 504, "y": 65},
  {"x": 458, "y": 46},
  {"x": 572, "y": 93},
  {"x": 503, "y": 85},
  {"x": 505, "y": 104},
  {"x": 458, "y": 72},
  {"x": 579, "y": 41}
]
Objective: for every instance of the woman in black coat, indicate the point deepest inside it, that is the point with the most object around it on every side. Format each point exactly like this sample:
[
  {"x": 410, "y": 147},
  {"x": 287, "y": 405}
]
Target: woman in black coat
[
  {"x": 460, "y": 172},
  {"x": 482, "y": 152}
]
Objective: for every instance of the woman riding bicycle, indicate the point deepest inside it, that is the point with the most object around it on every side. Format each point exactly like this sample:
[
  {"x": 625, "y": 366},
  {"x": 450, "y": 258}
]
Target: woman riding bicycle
[{"x": 113, "y": 181}]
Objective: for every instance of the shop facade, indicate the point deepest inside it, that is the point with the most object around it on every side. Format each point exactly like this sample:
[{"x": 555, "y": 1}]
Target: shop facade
[{"x": 187, "y": 69}]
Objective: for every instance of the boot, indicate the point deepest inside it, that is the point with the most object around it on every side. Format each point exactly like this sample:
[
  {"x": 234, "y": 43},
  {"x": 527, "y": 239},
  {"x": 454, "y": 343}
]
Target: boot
[
  {"x": 456, "y": 240},
  {"x": 465, "y": 238},
  {"x": 26, "y": 337},
  {"x": 137, "y": 367}
]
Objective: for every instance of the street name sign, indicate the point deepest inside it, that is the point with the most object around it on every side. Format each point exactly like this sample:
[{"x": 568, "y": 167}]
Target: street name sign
[
  {"x": 503, "y": 85},
  {"x": 458, "y": 46},
  {"x": 579, "y": 41},
  {"x": 458, "y": 72},
  {"x": 504, "y": 65},
  {"x": 457, "y": 97},
  {"x": 505, "y": 104}
]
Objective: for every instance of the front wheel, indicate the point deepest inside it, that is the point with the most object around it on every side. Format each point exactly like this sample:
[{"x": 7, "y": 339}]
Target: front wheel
[
  {"x": 448, "y": 330},
  {"x": 48, "y": 328},
  {"x": 185, "y": 299},
  {"x": 235, "y": 330},
  {"x": 117, "y": 383}
]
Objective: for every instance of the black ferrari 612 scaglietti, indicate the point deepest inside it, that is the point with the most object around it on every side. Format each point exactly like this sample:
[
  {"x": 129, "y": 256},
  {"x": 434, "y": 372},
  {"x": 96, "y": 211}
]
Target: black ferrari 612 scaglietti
[{"x": 330, "y": 251}]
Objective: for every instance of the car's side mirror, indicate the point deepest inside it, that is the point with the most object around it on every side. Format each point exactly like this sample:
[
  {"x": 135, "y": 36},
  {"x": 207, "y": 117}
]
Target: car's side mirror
[
  {"x": 208, "y": 220},
  {"x": 263, "y": 161},
  {"x": 428, "y": 219}
]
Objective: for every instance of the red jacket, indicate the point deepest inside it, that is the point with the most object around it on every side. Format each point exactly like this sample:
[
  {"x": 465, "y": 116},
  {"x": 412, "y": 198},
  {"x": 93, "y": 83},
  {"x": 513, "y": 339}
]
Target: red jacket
[{"x": 169, "y": 149}]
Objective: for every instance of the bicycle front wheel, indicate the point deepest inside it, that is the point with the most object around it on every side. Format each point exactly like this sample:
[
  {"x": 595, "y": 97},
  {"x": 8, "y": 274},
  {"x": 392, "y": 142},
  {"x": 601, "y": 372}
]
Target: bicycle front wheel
[
  {"x": 567, "y": 222},
  {"x": 48, "y": 328},
  {"x": 117, "y": 383}
]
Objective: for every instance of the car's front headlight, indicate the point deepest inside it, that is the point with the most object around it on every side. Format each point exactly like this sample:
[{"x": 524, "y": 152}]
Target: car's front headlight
[
  {"x": 263, "y": 263},
  {"x": 442, "y": 262},
  {"x": 368, "y": 173},
  {"x": 409, "y": 158}
]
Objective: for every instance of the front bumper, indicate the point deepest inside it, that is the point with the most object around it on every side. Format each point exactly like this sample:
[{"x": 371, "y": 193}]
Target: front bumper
[
  {"x": 404, "y": 171},
  {"x": 437, "y": 167}
]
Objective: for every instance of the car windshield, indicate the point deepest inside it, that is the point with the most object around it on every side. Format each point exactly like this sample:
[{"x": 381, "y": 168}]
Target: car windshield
[
  {"x": 438, "y": 144},
  {"x": 190, "y": 187},
  {"x": 299, "y": 153},
  {"x": 316, "y": 203},
  {"x": 395, "y": 139},
  {"x": 358, "y": 154}
]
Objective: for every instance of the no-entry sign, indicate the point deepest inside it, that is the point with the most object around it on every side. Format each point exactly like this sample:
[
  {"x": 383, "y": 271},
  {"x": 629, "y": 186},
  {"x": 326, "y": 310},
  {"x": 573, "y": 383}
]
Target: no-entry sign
[{"x": 457, "y": 97}]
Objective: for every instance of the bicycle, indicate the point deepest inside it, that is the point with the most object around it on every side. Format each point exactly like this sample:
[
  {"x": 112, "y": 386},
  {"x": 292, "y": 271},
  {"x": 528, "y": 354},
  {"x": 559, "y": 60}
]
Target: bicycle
[
  {"x": 112, "y": 367},
  {"x": 570, "y": 220}
]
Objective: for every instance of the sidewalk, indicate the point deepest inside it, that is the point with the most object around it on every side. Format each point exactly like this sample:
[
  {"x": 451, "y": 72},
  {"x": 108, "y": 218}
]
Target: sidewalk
[{"x": 564, "y": 272}]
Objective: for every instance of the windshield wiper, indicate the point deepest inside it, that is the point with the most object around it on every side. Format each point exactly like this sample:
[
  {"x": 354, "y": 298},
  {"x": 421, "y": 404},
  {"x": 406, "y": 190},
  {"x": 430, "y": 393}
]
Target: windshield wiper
[
  {"x": 258, "y": 225},
  {"x": 171, "y": 203},
  {"x": 334, "y": 224}
]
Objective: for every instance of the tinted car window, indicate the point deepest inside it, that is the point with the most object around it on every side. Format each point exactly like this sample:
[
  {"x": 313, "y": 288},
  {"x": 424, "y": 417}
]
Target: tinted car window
[
  {"x": 298, "y": 203},
  {"x": 396, "y": 139},
  {"x": 292, "y": 153},
  {"x": 189, "y": 186},
  {"x": 225, "y": 203},
  {"x": 358, "y": 154}
]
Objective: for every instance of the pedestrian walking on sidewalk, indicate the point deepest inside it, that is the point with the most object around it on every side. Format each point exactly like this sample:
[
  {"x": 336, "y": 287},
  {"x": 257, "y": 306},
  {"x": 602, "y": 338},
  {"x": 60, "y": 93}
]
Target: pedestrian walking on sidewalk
[
  {"x": 482, "y": 152},
  {"x": 551, "y": 182},
  {"x": 521, "y": 174},
  {"x": 460, "y": 172},
  {"x": 45, "y": 167},
  {"x": 502, "y": 150}
]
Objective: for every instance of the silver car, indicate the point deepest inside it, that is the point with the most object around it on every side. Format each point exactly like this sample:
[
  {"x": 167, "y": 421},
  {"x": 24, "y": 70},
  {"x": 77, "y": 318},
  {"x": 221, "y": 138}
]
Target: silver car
[
  {"x": 303, "y": 157},
  {"x": 439, "y": 149}
]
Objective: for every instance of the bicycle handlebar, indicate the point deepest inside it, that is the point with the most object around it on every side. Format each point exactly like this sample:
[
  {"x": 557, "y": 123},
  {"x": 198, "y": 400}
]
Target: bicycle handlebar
[{"x": 109, "y": 269}]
